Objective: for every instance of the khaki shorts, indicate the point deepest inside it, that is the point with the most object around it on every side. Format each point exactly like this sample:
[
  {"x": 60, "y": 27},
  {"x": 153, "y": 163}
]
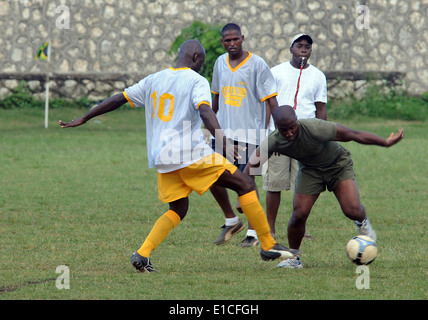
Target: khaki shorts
[
  {"x": 199, "y": 177},
  {"x": 315, "y": 180},
  {"x": 281, "y": 173}
]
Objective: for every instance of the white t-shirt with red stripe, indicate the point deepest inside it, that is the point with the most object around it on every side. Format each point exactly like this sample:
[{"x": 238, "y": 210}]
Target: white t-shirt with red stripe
[{"x": 312, "y": 88}]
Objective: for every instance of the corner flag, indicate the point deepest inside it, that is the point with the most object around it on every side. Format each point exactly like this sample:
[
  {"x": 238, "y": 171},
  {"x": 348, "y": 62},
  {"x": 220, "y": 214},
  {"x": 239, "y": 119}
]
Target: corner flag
[{"x": 42, "y": 53}]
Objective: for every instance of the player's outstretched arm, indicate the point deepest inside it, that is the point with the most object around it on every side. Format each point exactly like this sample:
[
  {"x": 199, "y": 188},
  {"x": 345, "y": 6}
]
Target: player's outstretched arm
[
  {"x": 107, "y": 105},
  {"x": 345, "y": 134}
]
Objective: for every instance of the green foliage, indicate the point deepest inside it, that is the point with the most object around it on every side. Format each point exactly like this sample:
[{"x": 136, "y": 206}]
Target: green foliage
[
  {"x": 22, "y": 97},
  {"x": 380, "y": 102},
  {"x": 209, "y": 36}
]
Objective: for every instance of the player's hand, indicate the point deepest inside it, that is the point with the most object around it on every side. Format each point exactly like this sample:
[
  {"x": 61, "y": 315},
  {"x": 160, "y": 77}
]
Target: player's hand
[
  {"x": 394, "y": 138},
  {"x": 71, "y": 124},
  {"x": 241, "y": 150}
]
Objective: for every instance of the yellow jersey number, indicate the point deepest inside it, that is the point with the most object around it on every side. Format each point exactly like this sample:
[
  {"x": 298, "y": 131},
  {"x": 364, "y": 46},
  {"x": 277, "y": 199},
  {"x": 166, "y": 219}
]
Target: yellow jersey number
[{"x": 161, "y": 111}]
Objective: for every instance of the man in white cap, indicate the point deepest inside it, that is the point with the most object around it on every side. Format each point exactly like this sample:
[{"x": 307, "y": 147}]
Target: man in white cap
[{"x": 304, "y": 87}]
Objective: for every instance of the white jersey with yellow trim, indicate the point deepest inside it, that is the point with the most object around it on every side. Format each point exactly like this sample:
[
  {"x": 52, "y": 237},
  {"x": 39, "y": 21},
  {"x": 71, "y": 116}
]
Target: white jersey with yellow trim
[
  {"x": 173, "y": 125},
  {"x": 242, "y": 92}
]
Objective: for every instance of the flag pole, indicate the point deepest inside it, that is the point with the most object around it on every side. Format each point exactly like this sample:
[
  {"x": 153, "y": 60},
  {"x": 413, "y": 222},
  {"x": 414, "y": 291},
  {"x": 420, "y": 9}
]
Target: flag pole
[{"x": 47, "y": 86}]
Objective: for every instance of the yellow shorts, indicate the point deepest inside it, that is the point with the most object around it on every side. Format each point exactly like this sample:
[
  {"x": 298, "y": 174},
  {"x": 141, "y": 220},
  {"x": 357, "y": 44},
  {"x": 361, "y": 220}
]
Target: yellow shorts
[{"x": 199, "y": 177}]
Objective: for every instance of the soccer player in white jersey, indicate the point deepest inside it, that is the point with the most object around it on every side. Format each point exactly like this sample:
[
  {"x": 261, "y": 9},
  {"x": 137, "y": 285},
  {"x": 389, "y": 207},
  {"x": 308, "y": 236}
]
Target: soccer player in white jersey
[
  {"x": 244, "y": 93},
  {"x": 177, "y": 100},
  {"x": 303, "y": 86}
]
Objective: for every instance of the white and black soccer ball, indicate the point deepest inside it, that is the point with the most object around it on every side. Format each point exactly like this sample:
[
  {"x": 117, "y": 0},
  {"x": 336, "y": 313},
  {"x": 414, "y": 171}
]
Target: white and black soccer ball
[{"x": 361, "y": 250}]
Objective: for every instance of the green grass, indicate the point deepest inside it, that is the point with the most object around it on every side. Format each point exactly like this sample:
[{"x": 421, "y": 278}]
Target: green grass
[
  {"x": 380, "y": 101},
  {"x": 85, "y": 198}
]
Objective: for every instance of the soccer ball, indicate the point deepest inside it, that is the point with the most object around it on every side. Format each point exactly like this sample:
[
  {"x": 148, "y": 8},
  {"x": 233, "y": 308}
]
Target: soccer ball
[{"x": 361, "y": 250}]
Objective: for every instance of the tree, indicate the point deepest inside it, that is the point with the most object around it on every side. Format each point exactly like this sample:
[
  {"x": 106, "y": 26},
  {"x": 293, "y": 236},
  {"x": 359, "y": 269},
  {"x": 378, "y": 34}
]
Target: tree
[{"x": 209, "y": 36}]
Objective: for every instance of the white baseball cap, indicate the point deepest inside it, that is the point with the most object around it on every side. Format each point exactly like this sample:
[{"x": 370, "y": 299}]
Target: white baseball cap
[{"x": 301, "y": 35}]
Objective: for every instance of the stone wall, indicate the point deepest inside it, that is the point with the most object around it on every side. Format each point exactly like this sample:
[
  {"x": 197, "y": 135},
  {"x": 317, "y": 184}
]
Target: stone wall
[{"x": 92, "y": 40}]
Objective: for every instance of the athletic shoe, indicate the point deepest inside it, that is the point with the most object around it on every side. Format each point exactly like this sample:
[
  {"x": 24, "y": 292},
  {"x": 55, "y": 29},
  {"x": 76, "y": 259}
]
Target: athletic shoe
[
  {"x": 279, "y": 251},
  {"x": 141, "y": 263},
  {"x": 366, "y": 229},
  {"x": 293, "y": 263},
  {"x": 249, "y": 241},
  {"x": 228, "y": 232}
]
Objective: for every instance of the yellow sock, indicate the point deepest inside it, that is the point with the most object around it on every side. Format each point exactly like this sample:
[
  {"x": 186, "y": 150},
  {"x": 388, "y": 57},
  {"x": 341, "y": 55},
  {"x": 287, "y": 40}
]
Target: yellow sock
[
  {"x": 168, "y": 221},
  {"x": 250, "y": 204}
]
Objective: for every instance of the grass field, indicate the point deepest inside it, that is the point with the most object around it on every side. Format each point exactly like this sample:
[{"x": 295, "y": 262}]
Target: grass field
[{"x": 85, "y": 198}]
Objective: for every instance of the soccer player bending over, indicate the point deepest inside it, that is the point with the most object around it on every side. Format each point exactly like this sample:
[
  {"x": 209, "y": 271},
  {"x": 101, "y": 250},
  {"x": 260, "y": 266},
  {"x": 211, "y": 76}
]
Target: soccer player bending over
[
  {"x": 324, "y": 163},
  {"x": 177, "y": 100}
]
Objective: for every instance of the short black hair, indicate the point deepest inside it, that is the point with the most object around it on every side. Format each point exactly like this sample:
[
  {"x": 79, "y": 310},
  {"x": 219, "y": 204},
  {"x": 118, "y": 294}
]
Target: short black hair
[{"x": 230, "y": 26}]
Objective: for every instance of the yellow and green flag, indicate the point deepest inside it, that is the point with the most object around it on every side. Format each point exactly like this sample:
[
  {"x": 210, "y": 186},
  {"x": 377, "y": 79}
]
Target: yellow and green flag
[{"x": 42, "y": 53}]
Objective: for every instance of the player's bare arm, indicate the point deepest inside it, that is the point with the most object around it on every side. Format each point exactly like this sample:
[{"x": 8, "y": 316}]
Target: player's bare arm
[
  {"x": 271, "y": 105},
  {"x": 345, "y": 134},
  {"x": 215, "y": 109},
  {"x": 209, "y": 118},
  {"x": 321, "y": 110},
  {"x": 108, "y": 105},
  {"x": 211, "y": 124},
  {"x": 215, "y": 102}
]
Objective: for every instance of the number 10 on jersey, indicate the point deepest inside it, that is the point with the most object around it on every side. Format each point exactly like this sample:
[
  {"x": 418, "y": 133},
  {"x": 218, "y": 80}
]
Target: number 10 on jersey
[{"x": 161, "y": 110}]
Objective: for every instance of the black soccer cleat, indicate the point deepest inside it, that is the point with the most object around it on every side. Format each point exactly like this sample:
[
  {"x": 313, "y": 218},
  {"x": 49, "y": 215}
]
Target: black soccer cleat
[
  {"x": 279, "y": 252},
  {"x": 141, "y": 263}
]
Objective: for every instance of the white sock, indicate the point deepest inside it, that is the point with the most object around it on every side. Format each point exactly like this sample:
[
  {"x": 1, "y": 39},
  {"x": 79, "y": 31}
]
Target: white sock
[
  {"x": 252, "y": 233},
  {"x": 231, "y": 221},
  {"x": 358, "y": 223}
]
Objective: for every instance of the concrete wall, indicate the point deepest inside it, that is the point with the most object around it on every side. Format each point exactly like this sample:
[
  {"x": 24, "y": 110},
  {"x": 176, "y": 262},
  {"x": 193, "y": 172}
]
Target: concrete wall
[{"x": 128, "y": 39}]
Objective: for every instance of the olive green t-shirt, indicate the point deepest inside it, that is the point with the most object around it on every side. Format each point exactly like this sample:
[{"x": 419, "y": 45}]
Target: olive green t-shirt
[{"x": 314, "y": 146}]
